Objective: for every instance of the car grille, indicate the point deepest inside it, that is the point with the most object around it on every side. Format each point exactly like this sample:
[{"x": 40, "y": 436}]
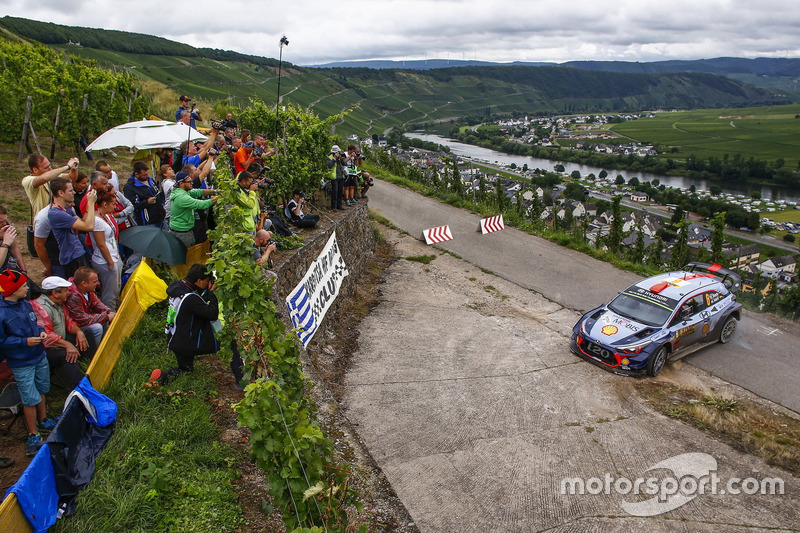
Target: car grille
[{"x": 597, "y": 351}]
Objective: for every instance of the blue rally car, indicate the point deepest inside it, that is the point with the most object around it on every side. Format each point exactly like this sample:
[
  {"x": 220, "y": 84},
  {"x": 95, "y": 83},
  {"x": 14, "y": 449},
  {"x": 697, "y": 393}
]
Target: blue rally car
[{"x": 660, "y": 319}]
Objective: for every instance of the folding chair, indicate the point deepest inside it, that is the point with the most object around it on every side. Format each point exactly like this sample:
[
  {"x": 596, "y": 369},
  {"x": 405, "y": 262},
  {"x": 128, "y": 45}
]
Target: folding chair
[{"x": 10, "y": 407}]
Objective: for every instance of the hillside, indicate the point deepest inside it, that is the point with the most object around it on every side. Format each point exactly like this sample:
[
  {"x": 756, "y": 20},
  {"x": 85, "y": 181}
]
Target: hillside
[{"x": 382, "y": 99}]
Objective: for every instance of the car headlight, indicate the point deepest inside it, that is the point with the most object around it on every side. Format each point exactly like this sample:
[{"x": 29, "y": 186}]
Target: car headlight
[{"x": 633, "y": 349}]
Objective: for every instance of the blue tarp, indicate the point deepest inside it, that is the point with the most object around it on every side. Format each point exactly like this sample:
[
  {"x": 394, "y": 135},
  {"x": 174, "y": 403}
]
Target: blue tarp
[{"x": 36, "y": 491}]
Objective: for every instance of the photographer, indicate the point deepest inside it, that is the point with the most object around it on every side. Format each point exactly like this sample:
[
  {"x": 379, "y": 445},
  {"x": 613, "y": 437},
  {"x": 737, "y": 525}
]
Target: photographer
[
  {"x": 247, "y": 199},
  {"x": 337, "y": 177},
  {"x": 194, "y": 114},
  {"x": 352, "y": 174},
  {"x": 295, "y": 210},
  {"x": 192, "y": 156},
  {"x": 244, "y": 157}
]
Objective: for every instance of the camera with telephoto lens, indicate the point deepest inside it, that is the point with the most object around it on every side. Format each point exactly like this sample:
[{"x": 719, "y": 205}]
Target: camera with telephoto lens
[
  {"x": 213, "y": 151},
  {"x": 272, "y": 241},
  {"x": 258, "y": 151},
  {"x": 217, "y": 124},
  {"x": 370, "y": 181},
  {"x": 225, "y": 123}
]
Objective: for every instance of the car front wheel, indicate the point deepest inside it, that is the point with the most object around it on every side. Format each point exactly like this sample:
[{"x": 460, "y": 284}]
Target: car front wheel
[
  {"x": 657, "y": 362},
  {"x": 728, "y": 329}
]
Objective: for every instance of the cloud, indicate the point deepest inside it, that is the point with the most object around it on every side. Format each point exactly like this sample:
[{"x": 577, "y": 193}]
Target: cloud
[{"x": 503, "y": 30}]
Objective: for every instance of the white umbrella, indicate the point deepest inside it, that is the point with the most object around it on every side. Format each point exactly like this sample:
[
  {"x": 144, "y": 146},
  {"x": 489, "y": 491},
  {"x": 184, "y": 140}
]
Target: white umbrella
[{"x": 146, "y": 134}]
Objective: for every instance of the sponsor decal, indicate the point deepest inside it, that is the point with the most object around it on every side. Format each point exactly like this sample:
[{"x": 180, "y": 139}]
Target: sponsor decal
[
  {"x": 712, "y": 298},
  {"x": 688, "y": 330},
  {"x": 625, "y": 324},
  {"x": 706, "y": 327},
  {"x": 609, "y": 330}
]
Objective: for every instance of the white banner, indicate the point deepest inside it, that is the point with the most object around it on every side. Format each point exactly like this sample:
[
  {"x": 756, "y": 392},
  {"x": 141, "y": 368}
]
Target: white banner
[{"x": 313, "y": 296}]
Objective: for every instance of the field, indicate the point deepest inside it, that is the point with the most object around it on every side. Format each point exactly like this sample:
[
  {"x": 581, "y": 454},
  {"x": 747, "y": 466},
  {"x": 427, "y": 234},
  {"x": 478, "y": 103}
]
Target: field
[{"x": 765, "y": 133}]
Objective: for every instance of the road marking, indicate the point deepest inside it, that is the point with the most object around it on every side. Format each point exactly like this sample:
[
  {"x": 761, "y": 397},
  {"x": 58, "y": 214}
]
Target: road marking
[{"x": 769, "y": 331}]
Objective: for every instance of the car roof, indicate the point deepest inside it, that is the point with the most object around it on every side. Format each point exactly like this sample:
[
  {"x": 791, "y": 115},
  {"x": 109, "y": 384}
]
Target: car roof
[{"x": 678, "y": 284}]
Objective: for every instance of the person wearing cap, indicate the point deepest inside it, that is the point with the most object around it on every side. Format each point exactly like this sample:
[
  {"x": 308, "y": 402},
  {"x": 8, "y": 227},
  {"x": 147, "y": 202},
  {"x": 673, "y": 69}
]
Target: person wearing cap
[
  {"x": 244, "y": 157},
  {"x": 185, "y": 103},
  {"x": 336, "y": 162},
  {"x": 21, "y": 345},
  {"x": 196, "y": 309},
  {"x": 184, "y": 201},
  {"x": 295, "y": 211},
  {"x": 65, "y": 340}
]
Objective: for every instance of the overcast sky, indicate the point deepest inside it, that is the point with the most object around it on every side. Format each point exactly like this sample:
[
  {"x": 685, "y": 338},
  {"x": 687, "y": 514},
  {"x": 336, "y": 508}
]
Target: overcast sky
[{"x": 500, "y": 30}]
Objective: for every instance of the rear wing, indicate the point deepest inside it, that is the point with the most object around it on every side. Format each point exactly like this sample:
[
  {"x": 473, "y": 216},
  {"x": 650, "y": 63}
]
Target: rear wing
[{"x": 728, "y": 277}]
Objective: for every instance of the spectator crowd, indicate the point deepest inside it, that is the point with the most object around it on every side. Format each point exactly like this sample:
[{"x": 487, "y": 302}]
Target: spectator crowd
[{"x": 77, "y": 228}]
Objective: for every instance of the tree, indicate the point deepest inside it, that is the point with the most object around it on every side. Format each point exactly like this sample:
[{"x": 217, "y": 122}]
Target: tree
[
  {"x": 620, "y": 179},
  {"x": 789, "y": 237},
  {"x": 614, "y": 239},
  {"x": 678, "y": 215},
  {"x": 638, "y": 250},
  {"x": 603, "y": 174},
  {"x": 559, "y": 168},
  {"x": 716, "y": 190},
  {"x": 680, "y": 250},
  {"x": 576, "y": 174}
]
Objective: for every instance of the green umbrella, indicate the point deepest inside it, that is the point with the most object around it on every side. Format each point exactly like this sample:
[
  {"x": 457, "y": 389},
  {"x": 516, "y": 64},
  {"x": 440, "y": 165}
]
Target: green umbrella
[{"x": 156, "y": 243}]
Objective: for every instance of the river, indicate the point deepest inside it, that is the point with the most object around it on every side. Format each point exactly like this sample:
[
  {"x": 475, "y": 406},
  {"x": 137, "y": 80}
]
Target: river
[{"x": 492, "y": 156}]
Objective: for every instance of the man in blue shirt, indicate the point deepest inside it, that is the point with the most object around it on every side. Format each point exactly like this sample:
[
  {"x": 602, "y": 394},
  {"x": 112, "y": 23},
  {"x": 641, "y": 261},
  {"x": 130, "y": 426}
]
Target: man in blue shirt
[
  {"x": 184, "y": 106},
  {"x": 66, "y": 224}
]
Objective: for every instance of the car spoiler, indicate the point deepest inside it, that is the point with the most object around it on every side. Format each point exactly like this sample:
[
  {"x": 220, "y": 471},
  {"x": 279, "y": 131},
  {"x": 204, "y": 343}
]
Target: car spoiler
[{"x": 728, "y": 277}]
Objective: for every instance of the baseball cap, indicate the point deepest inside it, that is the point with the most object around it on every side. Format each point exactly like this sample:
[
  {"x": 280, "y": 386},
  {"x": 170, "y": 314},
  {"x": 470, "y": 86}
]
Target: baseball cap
[
  {"x": 185, "y": 98},
  {"x": 11, "y": 280},
  {"x": 335, "y": 149},
  {"x": 54, "y": 282},
  {"x": 181, "y": 176}
]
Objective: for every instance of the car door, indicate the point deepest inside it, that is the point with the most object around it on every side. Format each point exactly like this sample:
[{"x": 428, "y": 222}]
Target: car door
[{"x": 691, "y": 327}]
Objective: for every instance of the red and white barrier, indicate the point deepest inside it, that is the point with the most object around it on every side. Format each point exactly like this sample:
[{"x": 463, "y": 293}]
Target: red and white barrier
[
  {"x": 440, "y": 234},
  {"x": 491, "y": 224}
]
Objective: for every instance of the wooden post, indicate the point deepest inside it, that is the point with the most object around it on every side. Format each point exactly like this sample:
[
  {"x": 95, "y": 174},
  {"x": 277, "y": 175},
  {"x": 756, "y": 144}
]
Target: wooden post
[
  {"x": 25, "y": 124},
  {"x": 55, "y": 125}
]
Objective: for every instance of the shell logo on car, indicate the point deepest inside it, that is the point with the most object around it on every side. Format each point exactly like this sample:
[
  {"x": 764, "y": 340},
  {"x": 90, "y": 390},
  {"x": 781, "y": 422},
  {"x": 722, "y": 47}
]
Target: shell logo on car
[{"x": 609, "y": 330}]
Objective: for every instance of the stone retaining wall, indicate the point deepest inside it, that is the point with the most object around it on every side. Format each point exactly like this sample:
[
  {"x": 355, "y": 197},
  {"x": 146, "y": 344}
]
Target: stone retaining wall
[{"x": 356, "y": 240}]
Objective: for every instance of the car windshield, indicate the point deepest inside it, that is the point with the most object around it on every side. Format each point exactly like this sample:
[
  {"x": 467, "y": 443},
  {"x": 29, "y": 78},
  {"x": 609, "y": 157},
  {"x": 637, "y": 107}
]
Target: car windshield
[{"x": 643, "y": 306}]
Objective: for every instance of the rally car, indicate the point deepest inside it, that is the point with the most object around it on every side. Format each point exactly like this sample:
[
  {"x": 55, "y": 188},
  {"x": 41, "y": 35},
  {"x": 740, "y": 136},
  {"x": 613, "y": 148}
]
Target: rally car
[{"x": 660, "y": 319}]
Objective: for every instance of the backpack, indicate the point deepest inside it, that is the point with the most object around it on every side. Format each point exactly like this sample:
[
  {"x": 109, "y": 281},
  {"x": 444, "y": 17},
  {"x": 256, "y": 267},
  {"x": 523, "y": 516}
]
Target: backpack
[{"x": 172, "y": 313}]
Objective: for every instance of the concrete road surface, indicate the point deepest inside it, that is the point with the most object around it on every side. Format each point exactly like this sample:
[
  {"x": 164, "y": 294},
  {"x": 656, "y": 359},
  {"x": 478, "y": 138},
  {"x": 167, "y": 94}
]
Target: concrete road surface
[
  {"x": 763, "y": 358},
  {"x": 465, "y": 392}
]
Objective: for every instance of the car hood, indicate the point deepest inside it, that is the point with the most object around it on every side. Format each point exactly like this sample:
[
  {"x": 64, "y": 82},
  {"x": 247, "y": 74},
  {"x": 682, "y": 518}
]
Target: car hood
[{"x": 610, "y": 328}]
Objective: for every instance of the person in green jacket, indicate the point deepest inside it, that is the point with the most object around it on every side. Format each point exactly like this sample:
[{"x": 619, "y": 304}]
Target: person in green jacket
[
  {"x": 247, "y": 199},
  {"x": 184, "y": 201}
]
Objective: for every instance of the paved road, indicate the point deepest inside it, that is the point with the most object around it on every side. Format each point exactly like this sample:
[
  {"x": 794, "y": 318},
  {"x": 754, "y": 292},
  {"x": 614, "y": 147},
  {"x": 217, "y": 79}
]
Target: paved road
[
  {"x": 465, "y": 393},
  {"x": 763, "y": 357}
]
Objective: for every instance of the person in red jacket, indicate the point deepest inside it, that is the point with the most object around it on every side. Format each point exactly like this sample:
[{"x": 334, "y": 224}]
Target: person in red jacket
[{"x": 84, "y": 305}]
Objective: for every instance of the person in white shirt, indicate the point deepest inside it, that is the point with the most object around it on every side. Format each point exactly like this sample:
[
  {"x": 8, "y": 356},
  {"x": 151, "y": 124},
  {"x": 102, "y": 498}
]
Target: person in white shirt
[{"x": 106, "y": 260}]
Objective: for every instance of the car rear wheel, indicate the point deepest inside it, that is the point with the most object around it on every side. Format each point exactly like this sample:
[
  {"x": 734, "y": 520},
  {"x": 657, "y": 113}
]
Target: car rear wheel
[
  {"x": 657, "y": 362},
  {"x": 728, "y": 329}
]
